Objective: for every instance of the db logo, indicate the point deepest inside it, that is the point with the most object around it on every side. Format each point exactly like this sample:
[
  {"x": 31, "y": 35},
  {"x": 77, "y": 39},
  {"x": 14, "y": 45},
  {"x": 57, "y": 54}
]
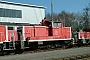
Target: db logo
[{"x": 56, "y": 32}]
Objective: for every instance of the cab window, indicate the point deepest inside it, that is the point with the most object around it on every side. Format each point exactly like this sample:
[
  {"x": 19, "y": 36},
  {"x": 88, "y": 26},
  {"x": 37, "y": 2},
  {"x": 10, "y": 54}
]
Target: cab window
[{"x": 55, "y": 24}]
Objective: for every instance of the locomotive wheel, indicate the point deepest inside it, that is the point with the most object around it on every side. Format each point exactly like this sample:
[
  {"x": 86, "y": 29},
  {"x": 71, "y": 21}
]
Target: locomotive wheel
[
  {"x": 63, "y": 46},
  {"x": 1, "y": 53},
  {"x": 48, "y": 46}
]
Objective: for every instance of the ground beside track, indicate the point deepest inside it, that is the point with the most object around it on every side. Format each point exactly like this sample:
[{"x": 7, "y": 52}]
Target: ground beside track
[
  {"x": 49, "y": 54},
  {"x": 78, "y": 57}
]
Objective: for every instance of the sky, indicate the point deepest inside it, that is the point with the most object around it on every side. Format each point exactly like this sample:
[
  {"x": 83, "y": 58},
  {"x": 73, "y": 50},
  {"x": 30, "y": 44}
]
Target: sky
[{"x": 58, "y": 5}]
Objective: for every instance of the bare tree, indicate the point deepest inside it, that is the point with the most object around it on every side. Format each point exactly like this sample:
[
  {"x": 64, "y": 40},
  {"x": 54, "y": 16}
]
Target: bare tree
[{"x": 86, "y": 17}]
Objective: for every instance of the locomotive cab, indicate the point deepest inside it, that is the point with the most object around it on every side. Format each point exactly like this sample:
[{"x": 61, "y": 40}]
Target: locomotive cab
[
  {"x": 51, "y": 26},
  {"x": 56, "y": 29},
  {"x": 51, "y": 23}
]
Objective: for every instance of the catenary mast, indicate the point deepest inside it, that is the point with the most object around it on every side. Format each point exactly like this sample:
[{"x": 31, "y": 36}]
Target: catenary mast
[{"x": 51, "y": 10}]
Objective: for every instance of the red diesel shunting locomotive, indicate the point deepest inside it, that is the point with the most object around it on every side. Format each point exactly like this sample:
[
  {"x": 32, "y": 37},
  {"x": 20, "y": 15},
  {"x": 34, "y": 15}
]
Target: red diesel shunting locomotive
[{"x": 21, "y": 37}]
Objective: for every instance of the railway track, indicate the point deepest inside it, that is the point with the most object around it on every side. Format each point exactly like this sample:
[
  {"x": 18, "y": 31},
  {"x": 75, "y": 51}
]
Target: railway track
[
  {"x": 63, "y": 54},
  {"x": 49, "y": 49},
  {"x": 26, "y": 51}
]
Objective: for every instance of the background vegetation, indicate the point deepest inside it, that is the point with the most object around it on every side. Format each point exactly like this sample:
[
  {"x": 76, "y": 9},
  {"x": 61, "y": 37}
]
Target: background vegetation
[{"x": 77, "y": 21}]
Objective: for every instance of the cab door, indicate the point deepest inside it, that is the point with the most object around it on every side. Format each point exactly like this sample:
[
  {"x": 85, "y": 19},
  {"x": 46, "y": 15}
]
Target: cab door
[{"x": 19, "y": 33}]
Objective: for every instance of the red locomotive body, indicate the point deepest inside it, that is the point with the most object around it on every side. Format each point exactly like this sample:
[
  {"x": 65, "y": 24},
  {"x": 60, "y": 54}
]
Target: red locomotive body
[
  {"x": 47, "y": 32},
  {"x": 2, "y": 33}
]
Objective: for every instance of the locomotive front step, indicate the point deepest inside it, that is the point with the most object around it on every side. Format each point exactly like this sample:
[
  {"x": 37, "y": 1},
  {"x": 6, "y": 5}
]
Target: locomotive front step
[
  {"x": 11, "y": 45},
  {"x": 8, "y": 46}
]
